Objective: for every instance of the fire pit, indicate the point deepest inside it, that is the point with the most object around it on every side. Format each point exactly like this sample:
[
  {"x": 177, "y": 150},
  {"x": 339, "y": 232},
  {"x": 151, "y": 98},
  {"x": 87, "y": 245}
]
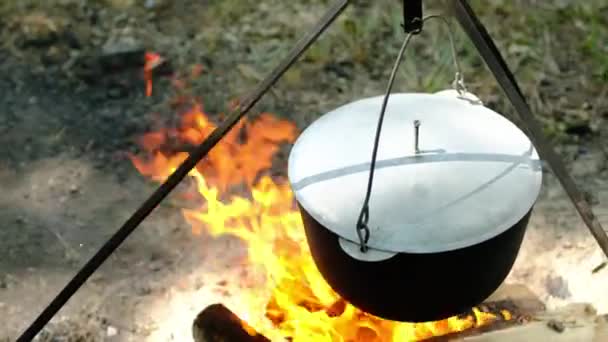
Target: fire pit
[
  {"x": 289, "y": 299},
  {"x": 299, "y": 305}
]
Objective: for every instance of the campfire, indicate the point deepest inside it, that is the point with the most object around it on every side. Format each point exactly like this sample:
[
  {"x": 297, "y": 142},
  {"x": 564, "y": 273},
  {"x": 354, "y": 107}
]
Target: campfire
[
  {"x": 298, "y": 304},
  {"x": 236, "y": 192},
  {"x": 281, "y": 296}
]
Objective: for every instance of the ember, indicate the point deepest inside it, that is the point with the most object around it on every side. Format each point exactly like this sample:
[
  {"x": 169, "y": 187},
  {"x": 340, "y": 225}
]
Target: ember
[
  {"x": 152, "y": 60},
  {"x": 300, "y": 305}
]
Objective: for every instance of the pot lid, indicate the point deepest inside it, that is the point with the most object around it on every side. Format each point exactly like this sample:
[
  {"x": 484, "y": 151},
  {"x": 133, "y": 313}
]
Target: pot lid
[{"x": 476, "y": 173}]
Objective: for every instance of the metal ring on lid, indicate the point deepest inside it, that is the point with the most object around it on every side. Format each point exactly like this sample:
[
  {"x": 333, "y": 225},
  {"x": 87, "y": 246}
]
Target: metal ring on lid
[{"x": 467, "y": 96}]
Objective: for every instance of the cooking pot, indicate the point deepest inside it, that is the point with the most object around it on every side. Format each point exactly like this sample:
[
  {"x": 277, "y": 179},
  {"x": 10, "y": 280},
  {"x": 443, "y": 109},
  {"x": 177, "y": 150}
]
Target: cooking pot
[{"x": 454, "y": 187}]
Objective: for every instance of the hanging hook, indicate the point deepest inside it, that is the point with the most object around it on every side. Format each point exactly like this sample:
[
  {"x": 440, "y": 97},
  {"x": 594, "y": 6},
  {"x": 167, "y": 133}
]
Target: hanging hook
[
  {"x": 412, "y": 16},
  {"x": 413, "y": 22}
]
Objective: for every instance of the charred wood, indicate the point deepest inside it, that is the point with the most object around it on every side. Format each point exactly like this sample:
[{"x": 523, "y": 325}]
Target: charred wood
[{"x": 216, "y": 323}]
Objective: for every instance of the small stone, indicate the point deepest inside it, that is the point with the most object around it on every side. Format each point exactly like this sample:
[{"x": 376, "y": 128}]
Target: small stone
[
  {"x": 88, "y": 68},
  {"x": 54, "y": 55},
  {"x": 556, "y": 326},
  {"x": 116, "y": 92},
  {"x": 557, "y": 287},
  {"x": 589, "y": 164},
  {"x": 72, "y": 38},
  {"x": 122, "y": 52},
  {"x": 36, "y": 29},
  {"x": 341, "y": 70},
  {"x": 590, "y": 197},
  {"x": 156, "y": 268},
  {"x": 154, "y": 256},
  {"x": 121, "y": 18},
  {"x": 74, "y": 188},
  {"x": 144, "y": 291},
  {"x": 111, "y": 331},
  {"x": 545, "y": 82}
]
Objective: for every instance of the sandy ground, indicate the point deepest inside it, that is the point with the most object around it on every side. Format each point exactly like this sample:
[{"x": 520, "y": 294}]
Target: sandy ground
[{"x": 66, "y": 184}]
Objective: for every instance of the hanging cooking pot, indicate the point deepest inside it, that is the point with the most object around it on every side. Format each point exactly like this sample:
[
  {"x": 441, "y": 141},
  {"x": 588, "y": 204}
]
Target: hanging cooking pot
[
  {"x": 432, "y": 223},
  {"x": 454, "y": 186}
]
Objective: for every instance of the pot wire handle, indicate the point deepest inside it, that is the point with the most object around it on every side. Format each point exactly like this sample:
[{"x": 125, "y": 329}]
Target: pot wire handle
[
  {"x": 363, "y": 231},
  {"x": 458, "y": 83}
]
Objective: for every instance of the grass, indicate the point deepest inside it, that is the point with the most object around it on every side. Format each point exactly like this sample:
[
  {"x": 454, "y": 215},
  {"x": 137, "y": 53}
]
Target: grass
[
  {"x": 542, "y": 42},
  {"x": 565, "y": 45}
]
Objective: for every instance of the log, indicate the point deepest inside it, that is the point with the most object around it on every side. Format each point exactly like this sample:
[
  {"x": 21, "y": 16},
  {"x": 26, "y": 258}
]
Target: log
[
  {"x": 520, "y": 296},
  {"x": 573, "y": 323},
  {"x": 216, "y": 323},
  {"x": 518, "y": 299}
]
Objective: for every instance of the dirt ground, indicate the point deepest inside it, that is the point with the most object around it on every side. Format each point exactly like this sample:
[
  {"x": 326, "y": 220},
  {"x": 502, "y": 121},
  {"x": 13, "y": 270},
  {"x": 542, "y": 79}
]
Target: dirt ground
[{"x": 73, "y": 104}]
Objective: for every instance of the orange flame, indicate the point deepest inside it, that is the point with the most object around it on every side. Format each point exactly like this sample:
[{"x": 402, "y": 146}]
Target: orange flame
[
  {"x": 152, "y": 60},
  {"x": 300, "y": 305}
]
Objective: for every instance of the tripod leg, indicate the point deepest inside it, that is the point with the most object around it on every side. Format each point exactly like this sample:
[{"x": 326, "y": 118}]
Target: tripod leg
[{"x": 487, "y": 49}]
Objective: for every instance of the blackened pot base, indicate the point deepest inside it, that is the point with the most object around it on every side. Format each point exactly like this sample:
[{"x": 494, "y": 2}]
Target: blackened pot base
[{"x": 416, "y": 287}]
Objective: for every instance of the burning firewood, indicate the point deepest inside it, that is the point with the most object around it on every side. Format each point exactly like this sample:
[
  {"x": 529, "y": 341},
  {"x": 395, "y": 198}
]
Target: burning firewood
[
  {"x": 520, "y": 296},
  {"x": 574, "y": 323},
  {"x": 218, "y": 324},
  {"x": 524, "y": 318}
]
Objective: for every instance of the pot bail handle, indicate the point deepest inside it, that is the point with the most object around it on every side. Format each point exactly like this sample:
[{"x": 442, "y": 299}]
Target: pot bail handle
[{"x": 362, "y": 228}]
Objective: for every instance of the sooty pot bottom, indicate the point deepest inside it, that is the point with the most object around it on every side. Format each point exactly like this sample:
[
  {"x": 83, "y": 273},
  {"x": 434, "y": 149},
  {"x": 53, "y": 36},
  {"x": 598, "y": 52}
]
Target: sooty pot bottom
[{"x": 416, "y": 287}]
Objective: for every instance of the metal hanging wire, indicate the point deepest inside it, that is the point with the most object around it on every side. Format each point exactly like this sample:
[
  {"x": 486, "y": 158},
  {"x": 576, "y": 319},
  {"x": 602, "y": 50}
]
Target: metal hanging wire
[
  {"x": 362, "y": 228},
  {"x": 458, "y": 83}
]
